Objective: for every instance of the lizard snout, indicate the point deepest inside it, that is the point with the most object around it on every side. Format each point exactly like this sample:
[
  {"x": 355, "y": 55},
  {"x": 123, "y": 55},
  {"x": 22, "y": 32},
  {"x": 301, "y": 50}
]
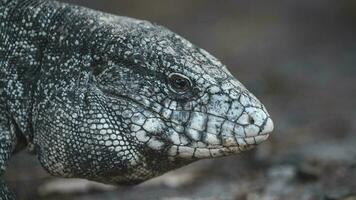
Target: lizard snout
[
  {"x": 268, "y": 127},
  {"x": 262, "y": 120}
]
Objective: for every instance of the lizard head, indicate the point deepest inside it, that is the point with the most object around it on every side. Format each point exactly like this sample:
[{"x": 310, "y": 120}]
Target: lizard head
[
  {"x": 182, "y": 103},
  {"x": 146, "y": 101}
]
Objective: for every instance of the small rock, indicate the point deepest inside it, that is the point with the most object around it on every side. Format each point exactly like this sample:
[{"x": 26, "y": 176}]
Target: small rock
[
  {"x": 283, "y": 173},
  {"x": 337, "y": 194},
  {"x": 350, "y": 198},
  {"x": 309, "y": 172},
  {"x": 70, "y": 186}
]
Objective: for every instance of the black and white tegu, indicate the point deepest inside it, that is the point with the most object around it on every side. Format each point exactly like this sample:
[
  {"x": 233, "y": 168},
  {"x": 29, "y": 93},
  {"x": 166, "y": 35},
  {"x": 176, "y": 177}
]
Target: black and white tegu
[{"x": 114, "y": 99}]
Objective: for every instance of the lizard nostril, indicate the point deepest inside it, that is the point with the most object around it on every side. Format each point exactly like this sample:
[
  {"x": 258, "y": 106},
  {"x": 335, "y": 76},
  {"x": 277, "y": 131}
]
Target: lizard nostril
[{"x": 251, "y": 120}]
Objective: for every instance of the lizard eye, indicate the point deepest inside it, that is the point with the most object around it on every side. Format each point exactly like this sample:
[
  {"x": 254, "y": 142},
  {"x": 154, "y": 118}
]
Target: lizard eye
[{"x": 179, "y": 83}]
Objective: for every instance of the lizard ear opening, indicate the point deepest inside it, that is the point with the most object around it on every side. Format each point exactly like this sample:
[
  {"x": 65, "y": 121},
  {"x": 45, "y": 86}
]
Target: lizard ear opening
[
  {"x": 99, "y": 66},
  {"x": 98, "y": 69}
]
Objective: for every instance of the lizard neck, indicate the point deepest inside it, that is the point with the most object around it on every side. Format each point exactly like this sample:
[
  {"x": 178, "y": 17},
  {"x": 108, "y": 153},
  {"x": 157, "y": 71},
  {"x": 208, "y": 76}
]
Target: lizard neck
[
  {"x": 39, "y": 59},
  {"x": 17, "y": 72},
  {"x": 24, "y": 43}
]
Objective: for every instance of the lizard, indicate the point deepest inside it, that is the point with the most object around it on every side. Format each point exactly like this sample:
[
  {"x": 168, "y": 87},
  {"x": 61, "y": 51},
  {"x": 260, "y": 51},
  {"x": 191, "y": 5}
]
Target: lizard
[{"x": 114, "y": 99}]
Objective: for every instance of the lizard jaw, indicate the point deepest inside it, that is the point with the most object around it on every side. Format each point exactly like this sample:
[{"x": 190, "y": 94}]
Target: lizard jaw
[
  {"x": 229, "y": 145},
  {"x": 200, "y": 152}
]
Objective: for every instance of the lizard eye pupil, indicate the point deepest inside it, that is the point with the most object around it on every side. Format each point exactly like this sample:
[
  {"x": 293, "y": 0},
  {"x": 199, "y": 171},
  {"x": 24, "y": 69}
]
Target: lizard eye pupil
[{"x": 179, "y": 83}]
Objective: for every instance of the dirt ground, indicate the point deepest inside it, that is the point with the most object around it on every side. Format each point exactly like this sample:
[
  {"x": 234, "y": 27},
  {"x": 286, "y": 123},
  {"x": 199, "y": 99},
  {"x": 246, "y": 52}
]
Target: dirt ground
[{"x": 298, "y": 57}]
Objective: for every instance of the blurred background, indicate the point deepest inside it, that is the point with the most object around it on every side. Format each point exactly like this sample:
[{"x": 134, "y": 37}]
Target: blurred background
[{"x": 298, "y": 57}]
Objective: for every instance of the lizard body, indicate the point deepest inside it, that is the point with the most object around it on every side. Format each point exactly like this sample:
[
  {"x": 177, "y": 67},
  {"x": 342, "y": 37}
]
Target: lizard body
[{"x": 114, "y": 99}]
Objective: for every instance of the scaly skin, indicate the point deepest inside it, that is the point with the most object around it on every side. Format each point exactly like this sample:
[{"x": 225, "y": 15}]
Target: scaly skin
[{"x": 114, "y": 99}]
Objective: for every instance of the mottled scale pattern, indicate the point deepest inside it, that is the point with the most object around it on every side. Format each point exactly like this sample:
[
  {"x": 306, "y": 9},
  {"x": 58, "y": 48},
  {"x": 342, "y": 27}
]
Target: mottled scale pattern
[{"x": 114, "y": 99}]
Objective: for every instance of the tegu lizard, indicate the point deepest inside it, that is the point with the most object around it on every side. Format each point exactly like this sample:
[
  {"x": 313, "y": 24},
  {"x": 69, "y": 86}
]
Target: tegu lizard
[{"x": 114, "y": 99}]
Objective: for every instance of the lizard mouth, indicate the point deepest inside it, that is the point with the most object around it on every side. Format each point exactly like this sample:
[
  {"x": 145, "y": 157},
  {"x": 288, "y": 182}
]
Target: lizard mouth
[{"x": 227, "y": 145}]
